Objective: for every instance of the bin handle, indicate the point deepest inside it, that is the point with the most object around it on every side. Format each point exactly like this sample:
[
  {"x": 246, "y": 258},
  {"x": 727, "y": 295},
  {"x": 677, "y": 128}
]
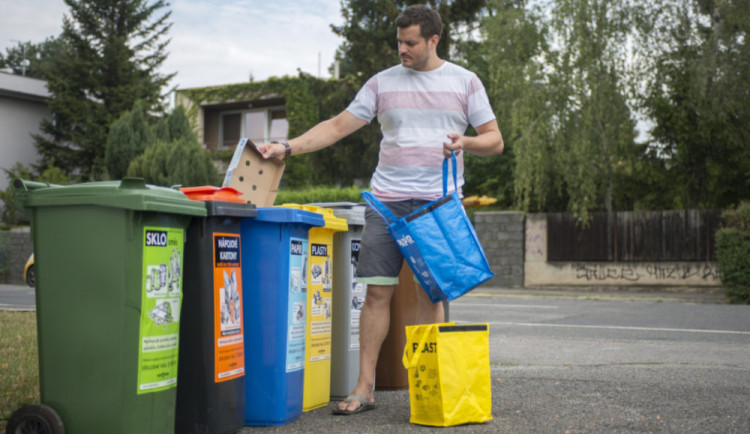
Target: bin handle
[
  {"x": 24, "y": 185},
  {"x": 23, "y": 188},
  {"x": 133, "y": 183}
]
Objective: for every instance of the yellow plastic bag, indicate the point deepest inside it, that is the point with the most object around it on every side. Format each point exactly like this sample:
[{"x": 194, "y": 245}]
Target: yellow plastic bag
[{"x": 449, "y": 373}]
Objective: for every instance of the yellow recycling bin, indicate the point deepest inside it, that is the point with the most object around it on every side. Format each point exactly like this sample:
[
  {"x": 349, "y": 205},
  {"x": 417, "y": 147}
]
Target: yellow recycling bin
[{"x": 317, "y": 379}]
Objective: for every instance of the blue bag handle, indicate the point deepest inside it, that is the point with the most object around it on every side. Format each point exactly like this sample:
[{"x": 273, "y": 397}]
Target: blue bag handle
[
  {"x": 445, "y": 174},
  {"x": 387, "y": 215},
  {"x": 378, "y": 207}
]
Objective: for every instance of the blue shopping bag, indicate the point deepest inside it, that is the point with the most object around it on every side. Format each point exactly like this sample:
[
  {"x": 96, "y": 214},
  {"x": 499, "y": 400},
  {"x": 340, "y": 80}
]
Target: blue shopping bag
[{"x": 439, "y": 243}]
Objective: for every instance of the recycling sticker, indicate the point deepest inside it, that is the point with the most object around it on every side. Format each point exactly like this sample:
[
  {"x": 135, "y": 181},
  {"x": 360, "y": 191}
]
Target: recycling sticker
[{"x": 161, "y": 299}]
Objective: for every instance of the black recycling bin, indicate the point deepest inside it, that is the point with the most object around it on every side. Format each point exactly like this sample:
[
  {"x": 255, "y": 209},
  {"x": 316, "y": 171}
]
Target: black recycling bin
[{"x": 211, "y": 370}]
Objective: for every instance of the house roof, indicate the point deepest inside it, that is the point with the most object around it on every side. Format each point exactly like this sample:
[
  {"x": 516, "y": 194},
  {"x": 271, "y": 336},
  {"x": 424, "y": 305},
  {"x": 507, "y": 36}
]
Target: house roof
[{"x": 27, "y": 88}]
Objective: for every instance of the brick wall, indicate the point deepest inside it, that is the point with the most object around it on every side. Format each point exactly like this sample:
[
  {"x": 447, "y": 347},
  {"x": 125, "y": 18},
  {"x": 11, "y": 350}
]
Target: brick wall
[{"x": 502, "y": 236}]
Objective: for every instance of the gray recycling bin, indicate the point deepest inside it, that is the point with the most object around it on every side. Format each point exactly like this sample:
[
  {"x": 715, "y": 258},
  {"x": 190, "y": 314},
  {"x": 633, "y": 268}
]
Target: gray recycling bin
[{"x": 348, "y": 298}]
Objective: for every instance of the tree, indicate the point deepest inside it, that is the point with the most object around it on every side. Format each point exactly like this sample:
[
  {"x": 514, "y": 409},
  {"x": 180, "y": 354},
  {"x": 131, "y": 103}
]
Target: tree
[
  {"x": 570, "y": 122},
  {"x": 597, "y": 135},
  {"x": 175, "y": 157},
  {"x": 128, "y": 137},
  {"x": 369, "y": 30},
  {"x": 513, "y": 37},
  {"x": 355, "y": 157},
  {"x": 175, "y": 126},
  {"x": 180, "y": 162},
  {"x": 699, "y": 101},
  {"x": 37, "y": 55},
  {"x": 109, "y": 58}
]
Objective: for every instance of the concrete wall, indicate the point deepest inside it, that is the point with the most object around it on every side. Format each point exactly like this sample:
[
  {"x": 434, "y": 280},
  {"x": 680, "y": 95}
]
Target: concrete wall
[
  {"x": 538, "y": 272},
  {"x": 502, "y": 236},
  {"x": 20, "y": 249}
]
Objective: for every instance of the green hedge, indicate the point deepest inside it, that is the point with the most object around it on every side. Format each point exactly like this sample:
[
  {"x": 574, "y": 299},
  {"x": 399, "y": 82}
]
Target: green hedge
[
  {"x": 733, "y": 253},
  {"x": 319, "y": 194}
]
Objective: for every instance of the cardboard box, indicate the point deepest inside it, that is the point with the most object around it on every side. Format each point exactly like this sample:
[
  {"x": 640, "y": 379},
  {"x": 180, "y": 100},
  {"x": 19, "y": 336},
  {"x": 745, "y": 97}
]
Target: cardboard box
[{"x": 252, "y": 175}]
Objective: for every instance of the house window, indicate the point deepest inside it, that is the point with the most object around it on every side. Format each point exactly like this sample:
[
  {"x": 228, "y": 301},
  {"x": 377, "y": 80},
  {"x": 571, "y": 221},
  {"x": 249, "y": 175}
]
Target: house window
[
  {"x": 231, "y": 128},
  {"x": 279, "y": 126},
  {"x": 259, "y": 125}
]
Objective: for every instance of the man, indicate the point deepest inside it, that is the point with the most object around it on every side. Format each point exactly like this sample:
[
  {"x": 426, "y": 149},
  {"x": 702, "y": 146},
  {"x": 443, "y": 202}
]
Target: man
[{"x": 424, "y": 106}]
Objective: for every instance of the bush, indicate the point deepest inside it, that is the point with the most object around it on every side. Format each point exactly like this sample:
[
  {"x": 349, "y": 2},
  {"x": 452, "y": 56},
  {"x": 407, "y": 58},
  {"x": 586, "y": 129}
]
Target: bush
[
  {"x": 733, "y": 253},
  {"x": 128, "y": 137}
]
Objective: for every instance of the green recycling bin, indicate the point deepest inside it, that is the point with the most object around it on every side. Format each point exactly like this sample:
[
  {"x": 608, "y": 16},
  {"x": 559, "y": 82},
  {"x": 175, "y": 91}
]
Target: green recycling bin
[{"x": 109, "y": 292}]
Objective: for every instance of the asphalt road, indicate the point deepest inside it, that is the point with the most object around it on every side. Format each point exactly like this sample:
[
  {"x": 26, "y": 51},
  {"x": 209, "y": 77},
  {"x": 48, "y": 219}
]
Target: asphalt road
[
  {"x": 563, "y": 362},
  {"x": 17, "y": 297},
  {"x": 583, "y": 363}
]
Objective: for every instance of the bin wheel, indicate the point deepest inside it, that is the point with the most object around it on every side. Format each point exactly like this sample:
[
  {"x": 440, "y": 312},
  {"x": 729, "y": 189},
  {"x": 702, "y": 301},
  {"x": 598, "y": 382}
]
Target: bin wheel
[{"x": 35, "y": 419}]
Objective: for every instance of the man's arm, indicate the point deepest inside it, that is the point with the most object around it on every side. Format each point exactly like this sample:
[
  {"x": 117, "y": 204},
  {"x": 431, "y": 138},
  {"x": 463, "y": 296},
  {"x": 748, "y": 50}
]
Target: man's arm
[
  {"x": 318, "y": 137},
  {"x": 489, "y": 141}
]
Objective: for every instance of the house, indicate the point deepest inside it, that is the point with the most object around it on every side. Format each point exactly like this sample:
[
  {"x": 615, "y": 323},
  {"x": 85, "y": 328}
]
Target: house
[
  {"x": 220, "y": 120},
  {"x": 23, "y": 105},
  {"x": 273, "y": 110}
]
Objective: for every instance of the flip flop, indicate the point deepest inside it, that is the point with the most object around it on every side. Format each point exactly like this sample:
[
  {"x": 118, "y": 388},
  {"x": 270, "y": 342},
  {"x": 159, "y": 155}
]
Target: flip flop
[{"x": 364, "y": 405}]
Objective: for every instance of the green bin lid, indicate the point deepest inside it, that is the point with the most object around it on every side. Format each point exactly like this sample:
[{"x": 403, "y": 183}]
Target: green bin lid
[{"x": 130, "y": 193}]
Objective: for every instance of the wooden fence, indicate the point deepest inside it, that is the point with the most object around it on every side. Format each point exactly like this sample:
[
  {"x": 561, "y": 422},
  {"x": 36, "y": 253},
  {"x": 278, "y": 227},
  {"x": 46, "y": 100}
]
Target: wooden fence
[{"x": 633, "y": 236}]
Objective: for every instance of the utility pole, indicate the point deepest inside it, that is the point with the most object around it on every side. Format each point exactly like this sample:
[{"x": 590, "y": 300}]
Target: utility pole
[{"x": 25, "y": 63}]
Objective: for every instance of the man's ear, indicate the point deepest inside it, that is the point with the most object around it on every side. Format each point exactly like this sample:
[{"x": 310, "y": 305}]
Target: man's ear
[{"x": 433, "y": 41}]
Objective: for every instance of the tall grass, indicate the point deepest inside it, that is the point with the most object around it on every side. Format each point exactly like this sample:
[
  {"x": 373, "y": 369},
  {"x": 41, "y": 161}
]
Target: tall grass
[{"x": 19, "y": 363}]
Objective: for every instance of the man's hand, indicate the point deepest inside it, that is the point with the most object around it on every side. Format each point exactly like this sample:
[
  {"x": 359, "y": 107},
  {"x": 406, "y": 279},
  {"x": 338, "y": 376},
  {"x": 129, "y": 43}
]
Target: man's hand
[
  {"x": 272, "y": 150},
  {"x": 489, "y": 141},
  {"x": 456, "y": 145}
]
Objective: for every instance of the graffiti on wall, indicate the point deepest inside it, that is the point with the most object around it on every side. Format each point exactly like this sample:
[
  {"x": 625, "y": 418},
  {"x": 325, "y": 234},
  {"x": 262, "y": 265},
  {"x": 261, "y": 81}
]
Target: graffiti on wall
[
  {"x": 536, "y": 240},
  {"x": 653, "y": 272}
]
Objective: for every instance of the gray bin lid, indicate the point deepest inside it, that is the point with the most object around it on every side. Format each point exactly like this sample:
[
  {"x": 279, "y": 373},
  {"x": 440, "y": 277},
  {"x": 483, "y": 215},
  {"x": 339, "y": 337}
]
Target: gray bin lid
[{"x": 353, "y": 212}]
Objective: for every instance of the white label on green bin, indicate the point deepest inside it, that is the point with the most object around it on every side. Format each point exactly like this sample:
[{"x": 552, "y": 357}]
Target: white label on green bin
[
  {"x": 161, "y": 299},
  {"x": 295, "y": 343}
]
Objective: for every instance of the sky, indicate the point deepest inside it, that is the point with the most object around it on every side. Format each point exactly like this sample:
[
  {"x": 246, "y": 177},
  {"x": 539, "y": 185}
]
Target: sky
[{"x": 213, "y": 42}]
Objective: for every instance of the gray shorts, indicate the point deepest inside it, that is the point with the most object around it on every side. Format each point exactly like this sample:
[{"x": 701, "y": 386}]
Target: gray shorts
[{"x": 380, "y": 259}]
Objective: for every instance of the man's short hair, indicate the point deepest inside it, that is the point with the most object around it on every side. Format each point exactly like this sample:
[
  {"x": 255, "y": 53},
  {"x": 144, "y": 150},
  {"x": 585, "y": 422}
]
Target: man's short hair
[{"x": 428, "y": 20}]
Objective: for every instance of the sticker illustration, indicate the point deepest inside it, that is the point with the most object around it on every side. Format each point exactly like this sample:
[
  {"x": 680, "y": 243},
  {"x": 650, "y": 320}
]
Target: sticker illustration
[
  {"x": 359, "y": 291},
  {"x": 229, "y": 349},
  {"x": 296, "y": 319},
  {"x": 161, "y": 300}
]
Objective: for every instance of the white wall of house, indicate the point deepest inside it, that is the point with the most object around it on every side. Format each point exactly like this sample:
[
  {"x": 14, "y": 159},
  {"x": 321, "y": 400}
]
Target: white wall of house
[
  {"x": 539, "y": 272},
  {"x": 23, "y": 105}
]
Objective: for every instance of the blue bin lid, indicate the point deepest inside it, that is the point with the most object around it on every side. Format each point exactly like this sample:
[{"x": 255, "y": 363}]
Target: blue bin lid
[{"x": 279, "y": 214}]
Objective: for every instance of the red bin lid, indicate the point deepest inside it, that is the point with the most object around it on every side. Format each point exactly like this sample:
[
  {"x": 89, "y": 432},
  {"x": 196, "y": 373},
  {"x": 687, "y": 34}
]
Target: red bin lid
[{"x": 210, "y": 193}]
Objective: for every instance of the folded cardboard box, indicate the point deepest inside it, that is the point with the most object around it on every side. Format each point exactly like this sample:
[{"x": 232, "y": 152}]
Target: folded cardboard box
[{"x": 252, "y": 175}]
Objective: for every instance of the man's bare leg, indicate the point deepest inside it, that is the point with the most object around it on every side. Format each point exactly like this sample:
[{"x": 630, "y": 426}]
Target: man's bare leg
[
  {"x": 373, "y": 328},
  {"x": 427, "y": 311}
]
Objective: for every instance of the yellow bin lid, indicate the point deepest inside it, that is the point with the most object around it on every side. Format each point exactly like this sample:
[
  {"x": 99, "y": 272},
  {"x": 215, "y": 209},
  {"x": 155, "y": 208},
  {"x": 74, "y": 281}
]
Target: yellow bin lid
[{"x": 335, "y": 224}]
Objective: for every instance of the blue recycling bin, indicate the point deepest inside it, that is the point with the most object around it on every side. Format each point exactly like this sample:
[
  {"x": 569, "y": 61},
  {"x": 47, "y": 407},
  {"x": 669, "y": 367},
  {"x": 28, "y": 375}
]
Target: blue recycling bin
[{"x": 274, "y": 276}]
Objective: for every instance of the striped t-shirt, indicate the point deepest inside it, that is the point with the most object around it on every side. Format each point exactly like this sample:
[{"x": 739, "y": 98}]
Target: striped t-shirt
[{"x": 416, "y": 111}]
